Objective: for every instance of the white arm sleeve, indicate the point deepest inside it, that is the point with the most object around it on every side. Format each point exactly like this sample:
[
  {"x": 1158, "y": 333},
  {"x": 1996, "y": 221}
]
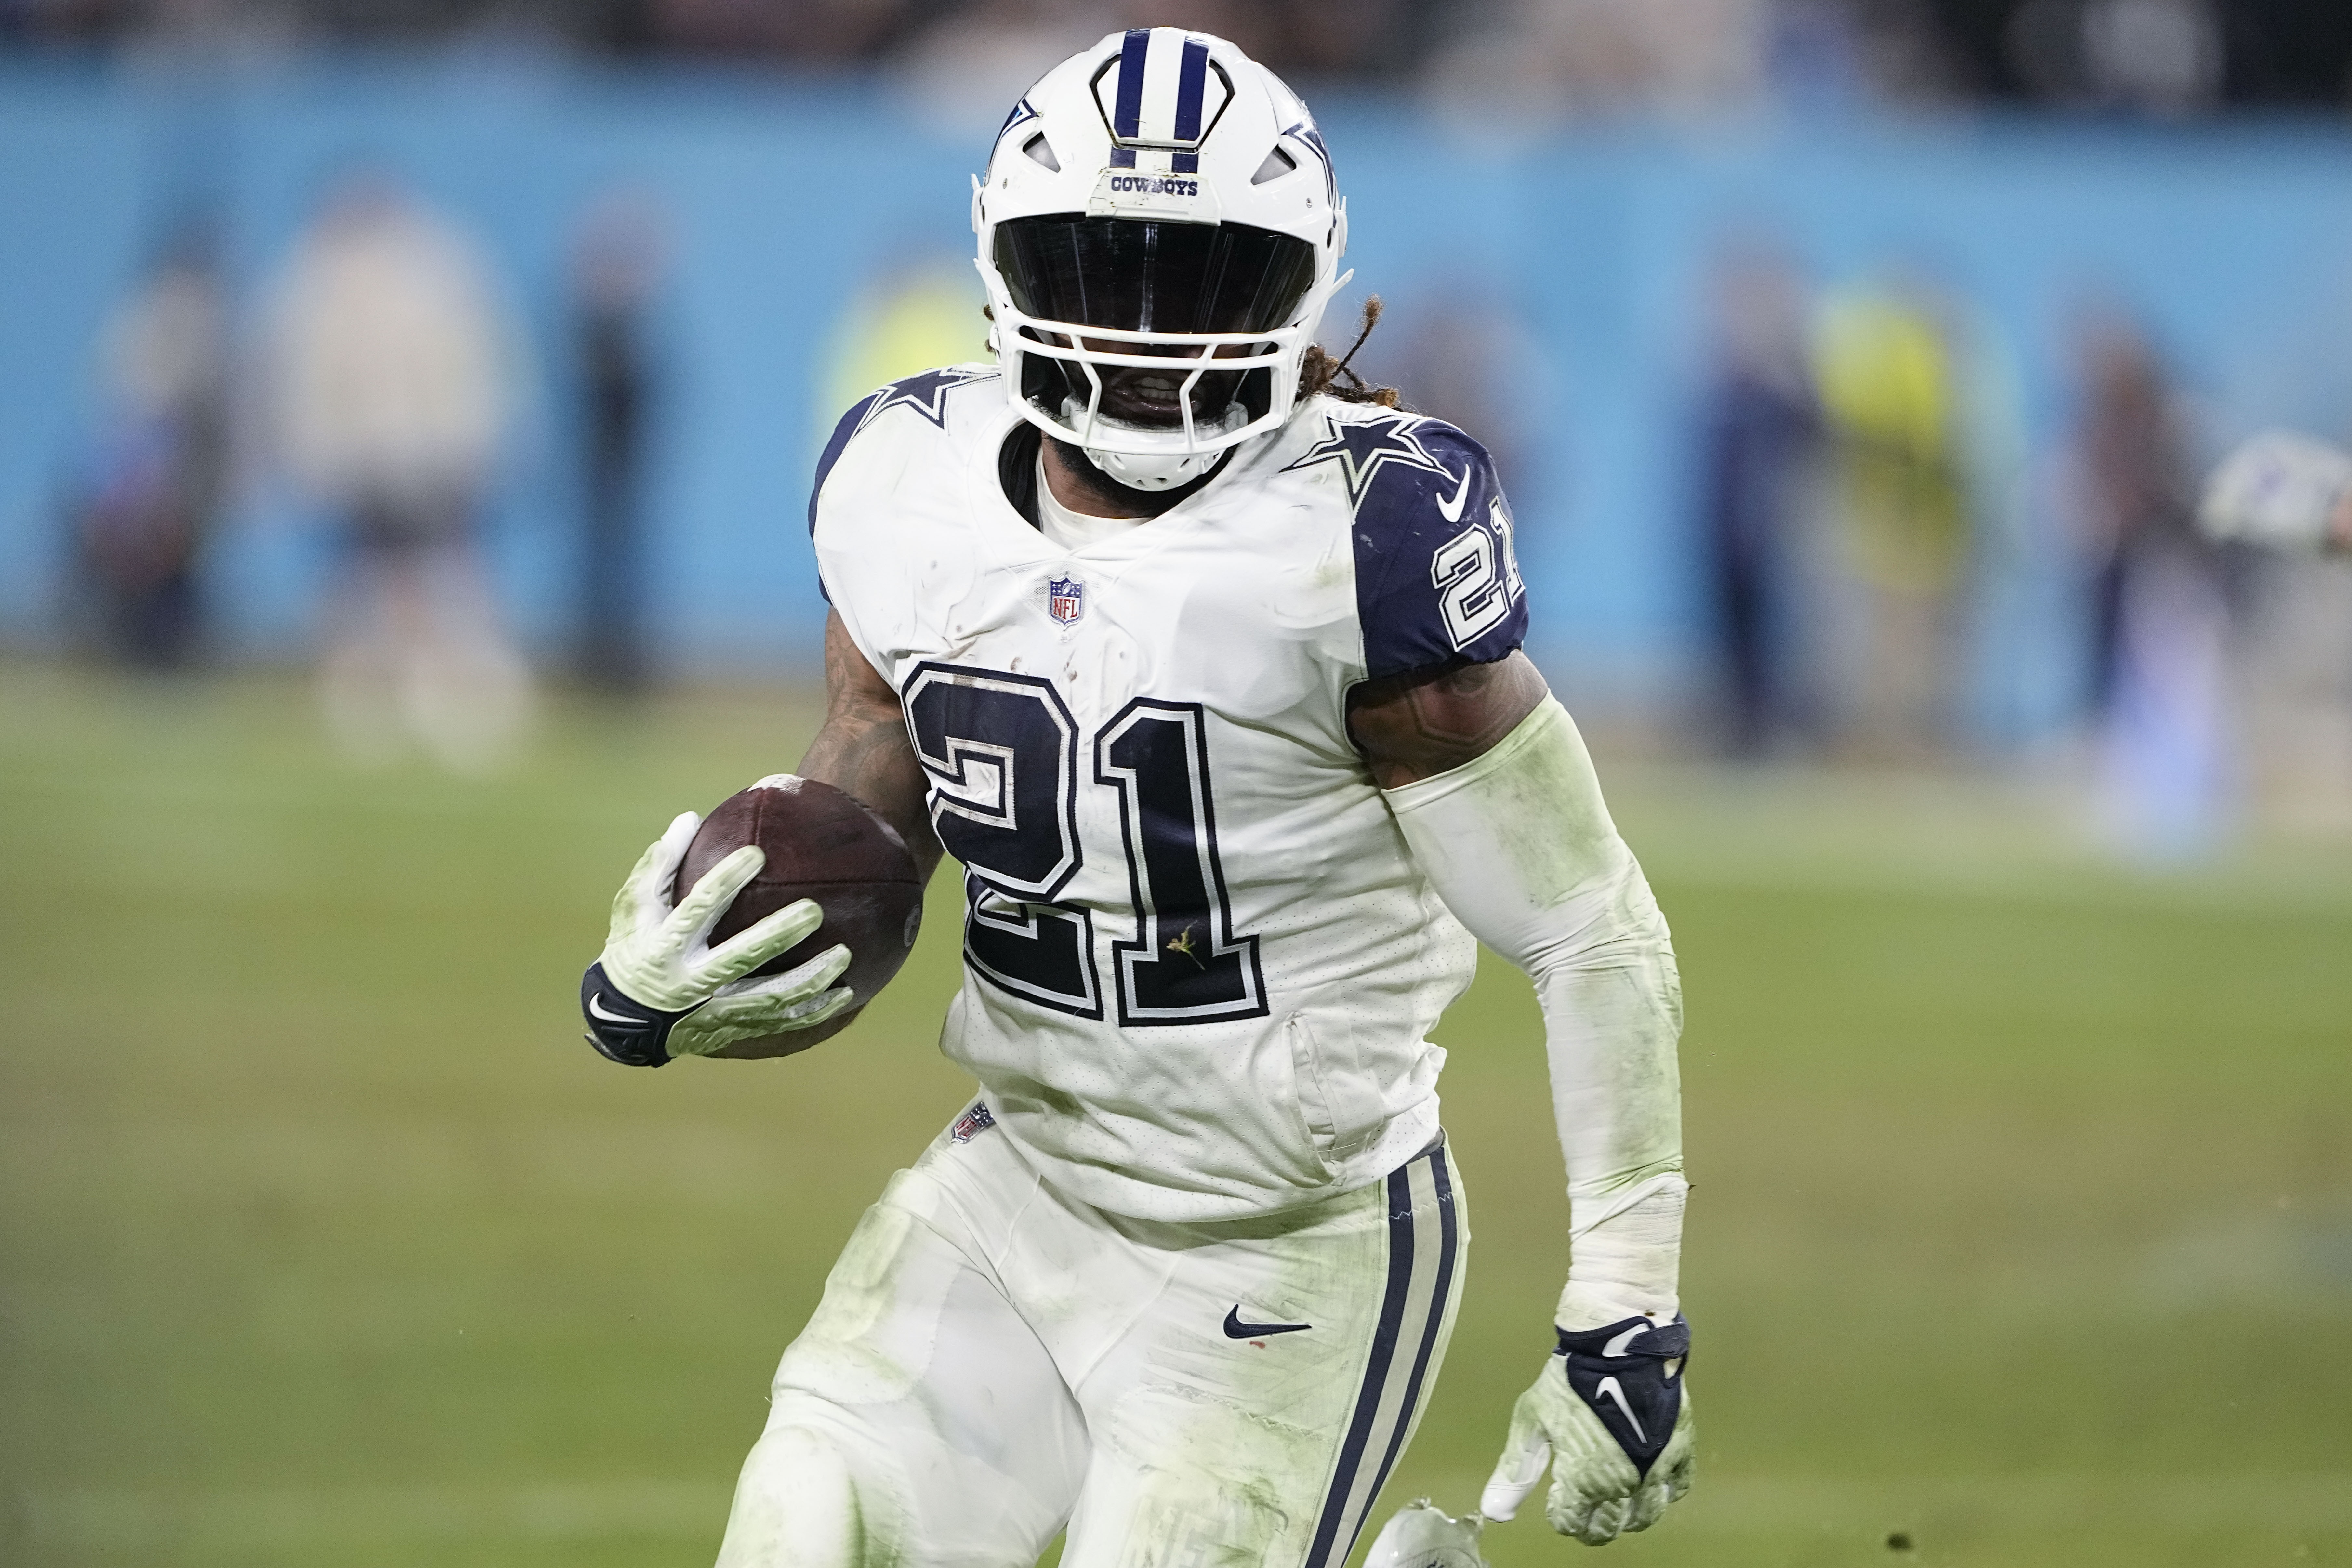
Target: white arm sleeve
[{"x": 1521, "y": 849}]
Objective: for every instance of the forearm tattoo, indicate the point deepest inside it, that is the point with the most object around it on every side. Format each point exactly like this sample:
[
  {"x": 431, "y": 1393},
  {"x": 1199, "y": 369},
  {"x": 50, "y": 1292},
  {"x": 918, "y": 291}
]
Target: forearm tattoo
[
  {"x": 1419, "y": 724},
  {"x": 863, "y": 749}
]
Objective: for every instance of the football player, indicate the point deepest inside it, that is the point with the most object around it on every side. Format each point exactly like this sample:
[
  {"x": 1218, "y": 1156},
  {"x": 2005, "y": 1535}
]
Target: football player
[{"x": 1202, "y": 662}]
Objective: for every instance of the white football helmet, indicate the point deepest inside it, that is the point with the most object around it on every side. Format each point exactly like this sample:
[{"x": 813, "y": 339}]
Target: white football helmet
[{"x": 1159, "y": 231}]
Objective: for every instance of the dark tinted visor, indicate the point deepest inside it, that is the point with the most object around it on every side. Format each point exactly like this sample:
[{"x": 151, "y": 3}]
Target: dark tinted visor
[{"x": 1139, "y": 276}]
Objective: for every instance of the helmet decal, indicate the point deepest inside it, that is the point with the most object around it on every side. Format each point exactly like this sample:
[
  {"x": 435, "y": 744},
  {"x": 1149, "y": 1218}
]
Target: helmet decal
[
  {"x": 1165, "y": 94},
  {"x": 1306, "y": 135},
  {"x": 1020, "y": 112}
]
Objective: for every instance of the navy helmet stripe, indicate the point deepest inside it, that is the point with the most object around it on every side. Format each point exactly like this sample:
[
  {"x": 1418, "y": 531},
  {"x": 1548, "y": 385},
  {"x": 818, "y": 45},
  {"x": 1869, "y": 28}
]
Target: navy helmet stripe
[
  {"x": 1446, "y": 1244},
  {"x": 1376, "y": 1373},
  {"x": 1122, "y": 157},
  {"x": 1128, "y": 116},
  {"x": 1183, "y": 162},
  {"x": 1192, "y": 77}
]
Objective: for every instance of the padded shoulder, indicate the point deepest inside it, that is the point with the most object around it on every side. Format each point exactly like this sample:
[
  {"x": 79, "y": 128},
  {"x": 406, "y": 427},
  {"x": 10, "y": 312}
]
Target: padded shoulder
[
  {"x": 929, "y": 396},
  {"x": 836, "y": 444},
  {"x": 1436, "y": 576}
]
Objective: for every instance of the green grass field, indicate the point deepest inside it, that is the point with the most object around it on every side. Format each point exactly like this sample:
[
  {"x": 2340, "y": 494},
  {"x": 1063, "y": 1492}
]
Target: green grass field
[{"x": 2023, "y": 1219}]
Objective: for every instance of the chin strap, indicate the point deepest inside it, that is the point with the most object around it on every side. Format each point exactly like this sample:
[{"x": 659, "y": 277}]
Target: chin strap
[
  {"x": 1154, "y": 470},
  {"x": 1152, "y": 473}
]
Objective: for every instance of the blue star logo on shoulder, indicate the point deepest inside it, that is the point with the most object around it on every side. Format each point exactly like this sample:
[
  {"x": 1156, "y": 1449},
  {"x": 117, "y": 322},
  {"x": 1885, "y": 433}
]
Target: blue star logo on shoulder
[
  {"x": 1360, "y": 446},
  {"x": 1066, "y": 599},
  {"x": 926, "y": 394}
]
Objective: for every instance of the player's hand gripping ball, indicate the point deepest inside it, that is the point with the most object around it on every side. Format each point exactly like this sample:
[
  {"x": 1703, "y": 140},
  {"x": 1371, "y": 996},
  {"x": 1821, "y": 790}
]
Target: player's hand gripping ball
[
  {"x": 819, "y": 844},
  {"x": 717, "y": 946},
  {"x": 1610, "y": 1414}
]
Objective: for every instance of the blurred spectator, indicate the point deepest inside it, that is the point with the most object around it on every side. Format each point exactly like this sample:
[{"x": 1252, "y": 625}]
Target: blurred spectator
[
  {"x": 1315, "y": 38},
  {"x": 1906, "y": 52},
  {"x": 2158, "y": 618},
  {"x": 968, "y": 63},
  {"x": 2134, "y": 476},
  {"x": 1308, "y": 37},
  {"x": 1602, "y": 56},
  {"x": 389, "y": 395},
  {"x": 1687, "y": 58},
  {"x": 64, "y": 19},
  {"x": 818, "y": 32},
  {"x": 142, "y": 521},
  {"x": 2156, "y": 56},
  {"x": 1759, "y": 426},
  {"x": 617, "y": 269},
  {"x": 1817, "y": 57},
  {"x": 967, "y": 70},
  {"x": 1895, "y": 408},
  {"x": 1490, "y": 58}
]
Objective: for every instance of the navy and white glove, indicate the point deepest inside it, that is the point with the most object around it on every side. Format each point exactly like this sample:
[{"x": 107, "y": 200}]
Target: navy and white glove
[
  {"x": 1611, "y": 1414},
  {"x": 660, "y": 990}
]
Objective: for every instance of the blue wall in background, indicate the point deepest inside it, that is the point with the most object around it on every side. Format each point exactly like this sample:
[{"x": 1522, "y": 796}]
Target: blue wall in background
[{"x": 2236, "y": 244}]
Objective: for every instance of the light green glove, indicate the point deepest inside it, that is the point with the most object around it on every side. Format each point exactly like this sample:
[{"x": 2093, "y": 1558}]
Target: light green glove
[
  {"x": 1597, "y": 1493},
  {"x": 662, "y": 958}
]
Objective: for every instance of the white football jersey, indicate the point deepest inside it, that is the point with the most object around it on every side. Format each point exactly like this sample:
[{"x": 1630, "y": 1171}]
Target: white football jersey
[{"x": 1200, "y": 964}]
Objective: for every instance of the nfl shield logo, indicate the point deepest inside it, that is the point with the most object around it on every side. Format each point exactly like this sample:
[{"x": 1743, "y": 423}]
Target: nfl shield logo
[{"x": 1066, "y": 599}]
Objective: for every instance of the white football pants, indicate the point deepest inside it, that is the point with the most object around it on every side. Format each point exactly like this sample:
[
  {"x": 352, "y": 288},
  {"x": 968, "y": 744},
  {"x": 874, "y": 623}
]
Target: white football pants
[{"x": 994, "y": 1362}]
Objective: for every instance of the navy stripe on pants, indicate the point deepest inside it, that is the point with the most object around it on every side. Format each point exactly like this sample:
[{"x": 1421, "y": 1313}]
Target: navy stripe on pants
[{"x": 1341, "y": 1520}]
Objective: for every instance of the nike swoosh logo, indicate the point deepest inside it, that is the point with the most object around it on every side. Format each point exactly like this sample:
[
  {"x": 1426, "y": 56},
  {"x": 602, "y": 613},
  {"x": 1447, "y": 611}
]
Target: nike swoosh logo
[
  {"x": 599, "y": 1013},
  {"x": 1237, "y": 1329},
  {"x": 1609, "y": 1386},
  {"x": 1616, "y": 1346},
  {"x": 1452, "y": 510}
]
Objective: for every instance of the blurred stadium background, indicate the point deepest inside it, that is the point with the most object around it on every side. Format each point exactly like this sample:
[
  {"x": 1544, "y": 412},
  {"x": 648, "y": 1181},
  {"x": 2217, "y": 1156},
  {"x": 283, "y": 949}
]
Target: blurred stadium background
[{"x": 405, "y": 414}]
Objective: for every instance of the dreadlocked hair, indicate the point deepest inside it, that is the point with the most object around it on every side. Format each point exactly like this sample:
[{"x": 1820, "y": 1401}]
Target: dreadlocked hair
[{"x": 1318, "y": 372}]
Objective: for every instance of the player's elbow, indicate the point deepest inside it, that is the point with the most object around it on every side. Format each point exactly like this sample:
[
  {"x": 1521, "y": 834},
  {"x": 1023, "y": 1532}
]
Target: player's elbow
[{"x": 1610, "y": 919}]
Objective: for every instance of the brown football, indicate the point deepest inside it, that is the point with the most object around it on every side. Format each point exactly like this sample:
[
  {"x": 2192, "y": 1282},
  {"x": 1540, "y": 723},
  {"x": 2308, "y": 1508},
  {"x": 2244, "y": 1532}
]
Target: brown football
[{"x": 821, "y": 845}]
